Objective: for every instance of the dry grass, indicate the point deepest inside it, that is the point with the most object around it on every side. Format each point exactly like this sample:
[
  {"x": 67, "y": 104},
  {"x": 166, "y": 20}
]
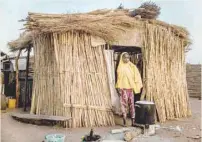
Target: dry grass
[{"x": 107, "y": 24}]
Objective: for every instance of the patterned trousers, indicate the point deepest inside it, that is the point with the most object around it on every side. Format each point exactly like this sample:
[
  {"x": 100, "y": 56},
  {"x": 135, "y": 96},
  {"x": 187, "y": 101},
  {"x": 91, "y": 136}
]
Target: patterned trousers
[{"x": 127, "y": 98}]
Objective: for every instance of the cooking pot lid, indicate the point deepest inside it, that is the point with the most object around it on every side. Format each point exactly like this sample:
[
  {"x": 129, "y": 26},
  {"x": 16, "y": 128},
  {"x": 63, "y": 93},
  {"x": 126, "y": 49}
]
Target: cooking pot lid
[{"x": 145, "y": 102}]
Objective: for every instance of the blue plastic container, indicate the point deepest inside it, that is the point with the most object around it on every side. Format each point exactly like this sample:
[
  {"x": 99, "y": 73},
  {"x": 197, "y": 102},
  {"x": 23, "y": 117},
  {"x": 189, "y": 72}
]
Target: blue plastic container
[{"x": 55, "y": 138}]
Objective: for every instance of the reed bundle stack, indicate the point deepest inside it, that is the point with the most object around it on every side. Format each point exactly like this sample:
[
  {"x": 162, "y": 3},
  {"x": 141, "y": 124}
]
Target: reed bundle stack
[{"x": 70, "y": 77}]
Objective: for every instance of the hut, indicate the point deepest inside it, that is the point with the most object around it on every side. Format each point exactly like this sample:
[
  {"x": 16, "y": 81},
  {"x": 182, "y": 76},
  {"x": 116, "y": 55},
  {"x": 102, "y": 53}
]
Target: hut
[
  {"x": 74, "y": 68},
  {"x": 8, "y": 71}
]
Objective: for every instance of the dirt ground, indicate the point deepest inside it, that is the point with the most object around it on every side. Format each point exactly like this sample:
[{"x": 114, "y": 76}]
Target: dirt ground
[{"x": 14, "y": 131}]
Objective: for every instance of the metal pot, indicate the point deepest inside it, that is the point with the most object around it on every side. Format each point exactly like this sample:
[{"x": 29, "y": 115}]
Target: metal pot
[{"x": 145, "y": 112}]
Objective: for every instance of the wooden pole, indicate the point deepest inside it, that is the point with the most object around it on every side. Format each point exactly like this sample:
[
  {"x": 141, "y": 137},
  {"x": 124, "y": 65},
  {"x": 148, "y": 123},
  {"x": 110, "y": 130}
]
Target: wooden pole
[
  {"x": 27, "y": 71},
  {"x": 17, "y": 79}
]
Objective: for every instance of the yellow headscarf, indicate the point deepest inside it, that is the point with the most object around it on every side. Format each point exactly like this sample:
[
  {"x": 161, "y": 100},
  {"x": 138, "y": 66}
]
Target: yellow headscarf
[{"x": 128, "y": 76}]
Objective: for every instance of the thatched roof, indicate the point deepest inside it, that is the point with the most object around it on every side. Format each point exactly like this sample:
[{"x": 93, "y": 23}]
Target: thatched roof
[
  {"x": 103, "y": 23},
  {"x": 24, "y": 41},
  {"x": 106, "y": 24}
]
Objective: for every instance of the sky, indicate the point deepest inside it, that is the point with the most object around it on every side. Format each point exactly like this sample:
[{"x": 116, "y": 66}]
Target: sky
[{"x": 185, "y": 13}]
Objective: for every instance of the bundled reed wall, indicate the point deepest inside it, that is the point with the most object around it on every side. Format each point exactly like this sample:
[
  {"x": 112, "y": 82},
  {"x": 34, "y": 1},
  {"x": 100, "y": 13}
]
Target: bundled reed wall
[
  {"x": 71, "y": 80},
  {"x": 165, "y": 73}
]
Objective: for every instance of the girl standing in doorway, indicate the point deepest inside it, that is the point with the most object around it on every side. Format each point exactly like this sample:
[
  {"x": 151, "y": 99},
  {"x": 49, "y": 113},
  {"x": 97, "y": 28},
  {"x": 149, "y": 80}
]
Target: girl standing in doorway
[{"x": 128, "y": 81}]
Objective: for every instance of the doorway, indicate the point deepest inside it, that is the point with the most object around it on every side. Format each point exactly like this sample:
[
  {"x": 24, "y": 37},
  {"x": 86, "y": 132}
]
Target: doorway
[{"x": 135, "y": 56}]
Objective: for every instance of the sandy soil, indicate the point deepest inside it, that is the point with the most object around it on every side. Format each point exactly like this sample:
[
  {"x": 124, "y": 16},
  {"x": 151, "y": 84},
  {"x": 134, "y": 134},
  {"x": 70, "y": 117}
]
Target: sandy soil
[{"x": 14, "y": 131}]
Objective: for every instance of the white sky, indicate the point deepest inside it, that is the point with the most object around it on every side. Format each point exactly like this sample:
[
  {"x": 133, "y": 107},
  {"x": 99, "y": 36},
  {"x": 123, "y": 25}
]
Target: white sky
[{"x": 180, "y": 12}]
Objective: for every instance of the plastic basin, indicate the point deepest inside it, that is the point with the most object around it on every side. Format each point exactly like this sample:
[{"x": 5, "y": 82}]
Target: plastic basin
[{"x": 55, "y": 138}]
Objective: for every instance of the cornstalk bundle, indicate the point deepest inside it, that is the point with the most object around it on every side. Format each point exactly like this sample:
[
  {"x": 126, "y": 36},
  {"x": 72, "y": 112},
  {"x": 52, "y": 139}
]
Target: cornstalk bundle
[
  {"x": 164, "y": 73},
  {"x": 71, "y": 80}
]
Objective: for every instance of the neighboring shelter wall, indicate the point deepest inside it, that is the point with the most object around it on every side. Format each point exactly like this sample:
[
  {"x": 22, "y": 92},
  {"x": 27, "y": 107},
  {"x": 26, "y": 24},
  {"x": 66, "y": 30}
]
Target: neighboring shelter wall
[
  {"x": 9, "y": 75},
  {"x": 194, "y": 79}
]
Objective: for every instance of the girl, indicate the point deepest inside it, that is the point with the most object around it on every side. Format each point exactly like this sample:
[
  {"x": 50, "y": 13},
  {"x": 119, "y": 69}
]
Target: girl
[{"x": 128, "y": 80}]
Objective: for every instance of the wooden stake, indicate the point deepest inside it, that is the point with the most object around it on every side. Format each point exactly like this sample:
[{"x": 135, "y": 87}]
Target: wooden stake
[
  {"x": 17, "y": 78},
  {"x": 26, "y": 78}
]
